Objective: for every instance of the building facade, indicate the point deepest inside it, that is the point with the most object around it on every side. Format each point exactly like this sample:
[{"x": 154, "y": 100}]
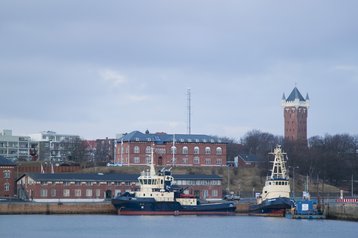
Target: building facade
[
  {"x": 295, "y": 110},
  {"x": 76, "y": 187},
  {"x": 50, "y": 146},
  {"x": 7, "y": 178},
  {"x": 14, "y": 147},
  {"x": 171, "y": 149}
]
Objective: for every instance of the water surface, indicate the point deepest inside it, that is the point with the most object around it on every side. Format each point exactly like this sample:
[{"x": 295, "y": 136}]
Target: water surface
[{"x": 107, "y": 226}]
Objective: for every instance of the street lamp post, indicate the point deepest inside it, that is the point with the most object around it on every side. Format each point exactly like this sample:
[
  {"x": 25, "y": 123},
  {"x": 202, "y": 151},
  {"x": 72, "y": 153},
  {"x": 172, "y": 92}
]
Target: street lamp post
[
  {"x": 352, "y": 193},
  {"x": 293, "y": 179},
  {"x": 228, "y": 179}
]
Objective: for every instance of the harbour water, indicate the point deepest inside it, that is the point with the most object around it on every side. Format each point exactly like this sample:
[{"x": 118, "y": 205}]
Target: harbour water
[{"x": 88, "y": 226}]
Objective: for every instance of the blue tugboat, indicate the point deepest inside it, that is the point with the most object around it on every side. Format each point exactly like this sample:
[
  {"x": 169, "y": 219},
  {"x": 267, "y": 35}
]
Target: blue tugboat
[
  {"x": 275, "y": 196},
  {"x": 157, "y": 196},
  {"x": 306, "y": 208}
]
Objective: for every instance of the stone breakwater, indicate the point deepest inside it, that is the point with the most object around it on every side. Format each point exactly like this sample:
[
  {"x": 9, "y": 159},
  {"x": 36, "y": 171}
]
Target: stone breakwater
[{"x": 56, "y": 208}]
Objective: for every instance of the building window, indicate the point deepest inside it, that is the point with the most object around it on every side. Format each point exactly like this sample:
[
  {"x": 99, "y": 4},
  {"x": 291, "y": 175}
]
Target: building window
[
  {"x": 219, "y": 161},
  {"x": 205, "y": 193},
  {"x": 7, "y": 187},
  {"x": 117, "y": 192},
  {"x": 208, "y": 161},
  {"x": 136, "y": 160},
  {"x": 173, "y": 150},
  {"x": 66, "y": 192},
  {"x": 196, "y": 160},
  {"x": 214, "y": 193},
  {"x": 43, "y": 192},
  {"x": 77, "y": 192},
  {"x": 207, "y": 150},
  {"x": 53, "y": 192},
  {"x": 98, "y": 193},
  {"x": 219, "y": 151},
  {"x": 196, "y": 150},
  {"x": 136, "y": 149},
  {"x": 148, "y": 159},
  {"x": 88, "y": 192},
  {"x": 185, "y": 160},
  {"x": 7, "y": 173},
  {"x": 185, "y": 150},
  {"x": 148, "y": 150}
]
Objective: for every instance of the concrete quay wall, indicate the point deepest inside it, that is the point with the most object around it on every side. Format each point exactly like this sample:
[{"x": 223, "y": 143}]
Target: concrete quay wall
[
  {"x": 342, "y": 211},
  {"x": 56, "y": 208}
]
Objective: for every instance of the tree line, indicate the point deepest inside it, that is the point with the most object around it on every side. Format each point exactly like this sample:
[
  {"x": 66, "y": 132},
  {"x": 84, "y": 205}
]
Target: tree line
[{"x": 331, "y": 158}]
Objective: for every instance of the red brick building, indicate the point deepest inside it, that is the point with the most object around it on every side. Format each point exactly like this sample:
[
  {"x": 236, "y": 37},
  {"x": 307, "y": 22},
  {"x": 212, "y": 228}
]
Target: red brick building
[
  {"x": 171, "y": 149},
  {"x": 67, "y": 187},
  {"x": 7, "y": 177},
  {"x": 295, "y": 115}
]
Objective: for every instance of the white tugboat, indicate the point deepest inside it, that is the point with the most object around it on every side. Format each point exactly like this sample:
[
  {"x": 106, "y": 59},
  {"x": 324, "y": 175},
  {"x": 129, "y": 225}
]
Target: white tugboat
[
  {"x": 157, "y": 196},
  {"x": 275, "y": 196}
]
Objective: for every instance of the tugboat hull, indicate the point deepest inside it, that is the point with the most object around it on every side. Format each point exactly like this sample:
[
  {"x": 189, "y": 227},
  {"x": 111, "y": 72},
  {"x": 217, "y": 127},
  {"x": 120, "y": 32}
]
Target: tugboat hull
[
  {"x": 148, "y": 206},
  {"x": 271, "y": 207}
]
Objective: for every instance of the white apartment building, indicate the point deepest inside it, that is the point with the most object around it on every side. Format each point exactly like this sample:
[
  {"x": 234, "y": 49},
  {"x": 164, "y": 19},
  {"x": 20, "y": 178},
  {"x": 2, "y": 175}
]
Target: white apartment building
[
  {"x": 50, "y": 146},
  {"x": 14, "y": 147}
]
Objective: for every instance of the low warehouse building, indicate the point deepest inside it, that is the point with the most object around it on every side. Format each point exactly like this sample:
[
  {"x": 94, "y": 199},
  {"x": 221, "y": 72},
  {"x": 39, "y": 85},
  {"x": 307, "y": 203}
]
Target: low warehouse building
[{"x": 76, "y": 187}]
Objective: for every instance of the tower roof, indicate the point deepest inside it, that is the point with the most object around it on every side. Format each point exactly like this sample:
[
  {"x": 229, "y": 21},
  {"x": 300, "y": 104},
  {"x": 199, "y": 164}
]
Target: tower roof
[{"x": 295, "y": 94}]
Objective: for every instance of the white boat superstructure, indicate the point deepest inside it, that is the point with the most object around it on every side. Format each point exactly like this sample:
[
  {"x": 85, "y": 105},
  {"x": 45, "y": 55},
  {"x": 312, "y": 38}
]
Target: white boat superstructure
[
  {"x": 277, "y": 184},
  {"x": 159, "y": 186}
]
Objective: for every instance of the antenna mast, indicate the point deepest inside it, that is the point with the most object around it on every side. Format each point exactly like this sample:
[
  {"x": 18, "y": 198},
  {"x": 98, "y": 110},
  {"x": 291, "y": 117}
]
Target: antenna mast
[{"x": 189, "y": 111}]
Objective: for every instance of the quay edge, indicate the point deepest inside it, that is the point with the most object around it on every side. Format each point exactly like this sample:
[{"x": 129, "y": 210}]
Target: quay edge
[
  {"x": 9, "y": 208},
  {"x": 342, "y": 211},
  {"x": 336, "y": 211}
]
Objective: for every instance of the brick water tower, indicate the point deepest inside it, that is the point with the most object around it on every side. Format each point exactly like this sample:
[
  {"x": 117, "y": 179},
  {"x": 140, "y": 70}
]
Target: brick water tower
[{"x": 295, "y": 111}]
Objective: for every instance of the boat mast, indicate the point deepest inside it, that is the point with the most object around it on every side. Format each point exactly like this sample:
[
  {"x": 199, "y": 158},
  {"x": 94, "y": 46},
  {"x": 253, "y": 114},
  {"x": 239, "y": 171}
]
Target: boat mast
[
  {"x": 152, "y": 169},
  {"x": 173, "y": 150},
  {"x": 121, "y": 150},
  {"x": 278, "y": 168}
]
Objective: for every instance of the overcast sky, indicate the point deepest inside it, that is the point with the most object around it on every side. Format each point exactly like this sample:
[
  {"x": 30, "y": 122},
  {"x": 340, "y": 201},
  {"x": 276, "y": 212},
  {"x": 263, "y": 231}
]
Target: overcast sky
[{"x": 97, "y": 68}]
